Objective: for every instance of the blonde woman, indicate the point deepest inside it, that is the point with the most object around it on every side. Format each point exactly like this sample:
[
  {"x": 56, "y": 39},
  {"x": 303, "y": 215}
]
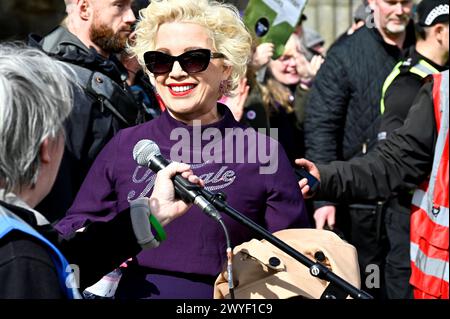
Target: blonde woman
[
  {"x": 280, "y": 88},
  {"x": 195, "y": 51}
]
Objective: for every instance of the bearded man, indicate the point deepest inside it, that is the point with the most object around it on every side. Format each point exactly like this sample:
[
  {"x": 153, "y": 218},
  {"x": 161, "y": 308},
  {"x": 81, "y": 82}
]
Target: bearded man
[{"x": 88, "y": 39}]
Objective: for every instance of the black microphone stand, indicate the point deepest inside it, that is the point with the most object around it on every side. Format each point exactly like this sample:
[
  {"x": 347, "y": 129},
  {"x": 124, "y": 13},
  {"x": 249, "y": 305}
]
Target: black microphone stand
[{"x": 316, "y": 269}]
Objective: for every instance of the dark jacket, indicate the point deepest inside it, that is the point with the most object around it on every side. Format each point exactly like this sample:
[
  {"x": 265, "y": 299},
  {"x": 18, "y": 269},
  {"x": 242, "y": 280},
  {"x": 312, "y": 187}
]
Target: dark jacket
[
  {"x": 343, "y": 110},
  {"x": 28, "y": 272},
  {"x": 289, "y": 131},
  {"x": 103, "y": 104},
  {"x": 255, "y": 114},
  {"x": 342, "y": 114},
  {"x": 401, "y": 93},
  {"x": 403, "y": 160}
]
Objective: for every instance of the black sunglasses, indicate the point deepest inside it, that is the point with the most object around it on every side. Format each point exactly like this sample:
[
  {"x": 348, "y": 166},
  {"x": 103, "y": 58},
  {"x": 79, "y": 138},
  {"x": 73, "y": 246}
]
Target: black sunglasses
[{"x": 193, "y": 61}]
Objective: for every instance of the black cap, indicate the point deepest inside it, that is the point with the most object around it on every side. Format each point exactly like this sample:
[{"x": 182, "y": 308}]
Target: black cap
[{"x": 430, "y": 12}]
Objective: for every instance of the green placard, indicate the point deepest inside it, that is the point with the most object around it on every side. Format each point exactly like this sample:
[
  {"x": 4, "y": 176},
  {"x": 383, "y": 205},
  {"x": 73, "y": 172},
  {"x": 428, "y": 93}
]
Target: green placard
[{"x": 273, "y": 20}]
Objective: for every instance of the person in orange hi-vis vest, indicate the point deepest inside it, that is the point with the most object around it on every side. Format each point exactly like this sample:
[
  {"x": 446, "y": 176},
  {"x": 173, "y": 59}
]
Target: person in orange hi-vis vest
[
  {"x": 415, "y": 154},
  {"x": 429, "y": 216}
]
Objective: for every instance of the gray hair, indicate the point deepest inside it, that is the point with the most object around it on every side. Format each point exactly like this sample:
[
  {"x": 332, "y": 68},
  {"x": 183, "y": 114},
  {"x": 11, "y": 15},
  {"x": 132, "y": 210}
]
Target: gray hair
[{"x": 35, "y": 99}]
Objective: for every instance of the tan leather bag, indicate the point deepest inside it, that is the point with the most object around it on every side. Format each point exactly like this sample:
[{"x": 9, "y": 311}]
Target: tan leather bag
[{"x": 262, "y": 271}]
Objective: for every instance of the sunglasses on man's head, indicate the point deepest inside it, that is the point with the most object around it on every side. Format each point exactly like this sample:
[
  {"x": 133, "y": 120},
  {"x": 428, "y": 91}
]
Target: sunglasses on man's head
[{"x": 193, "y": 61}]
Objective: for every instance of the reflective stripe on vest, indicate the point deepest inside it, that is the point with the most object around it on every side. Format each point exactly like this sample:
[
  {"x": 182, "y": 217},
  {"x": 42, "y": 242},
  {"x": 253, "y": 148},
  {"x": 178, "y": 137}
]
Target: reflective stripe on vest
[
  {"x": 422, "y": 69},
  {"x": 10, "y": 222},
  {"x": 438, "y": 215},
  {"x": 432, "y": 266},
  {"x": 430, "y": 215},
  {"x": 387, "y": 83}
]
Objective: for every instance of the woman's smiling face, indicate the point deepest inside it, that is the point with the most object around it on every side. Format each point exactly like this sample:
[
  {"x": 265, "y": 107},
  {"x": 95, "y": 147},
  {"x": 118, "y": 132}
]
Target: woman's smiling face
[{"x": 187, "y": 96}]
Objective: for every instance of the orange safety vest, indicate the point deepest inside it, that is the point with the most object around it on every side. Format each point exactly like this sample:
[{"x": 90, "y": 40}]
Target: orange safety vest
[{"x": 430, "y": 216}]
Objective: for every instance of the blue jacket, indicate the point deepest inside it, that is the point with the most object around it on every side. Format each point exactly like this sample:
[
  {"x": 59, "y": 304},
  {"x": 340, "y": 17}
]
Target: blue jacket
[{"x": 10, "y": 222}]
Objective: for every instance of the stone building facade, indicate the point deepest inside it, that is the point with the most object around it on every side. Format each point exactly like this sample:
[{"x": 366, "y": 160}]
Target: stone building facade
[{"x": 20, "y": 17}]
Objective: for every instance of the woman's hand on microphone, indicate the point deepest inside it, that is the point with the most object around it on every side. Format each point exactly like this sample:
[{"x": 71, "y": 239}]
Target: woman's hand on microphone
[{"x": 163, "y": 203}]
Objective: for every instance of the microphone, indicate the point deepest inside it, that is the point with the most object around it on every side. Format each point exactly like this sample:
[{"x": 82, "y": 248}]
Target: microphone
[{"x": 147, "y": 153}]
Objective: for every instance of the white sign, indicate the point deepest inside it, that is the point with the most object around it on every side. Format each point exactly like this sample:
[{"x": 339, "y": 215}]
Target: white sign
[{"x": 287, "y": 10}]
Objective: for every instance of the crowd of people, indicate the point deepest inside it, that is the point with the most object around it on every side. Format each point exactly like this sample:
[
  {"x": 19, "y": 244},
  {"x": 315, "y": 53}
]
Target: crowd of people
[{"x": 370, "y": 115}]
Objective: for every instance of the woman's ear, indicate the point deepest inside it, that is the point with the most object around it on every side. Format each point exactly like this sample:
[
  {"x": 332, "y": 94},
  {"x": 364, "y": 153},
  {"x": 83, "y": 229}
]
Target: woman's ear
[
  {"x": 227, "y": 70},
  {"x": 44, "y": 151}
]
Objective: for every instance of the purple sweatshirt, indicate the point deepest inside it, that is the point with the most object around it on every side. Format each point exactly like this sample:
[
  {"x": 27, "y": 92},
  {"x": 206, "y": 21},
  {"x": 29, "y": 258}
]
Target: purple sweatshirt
[{"x": 195, "y": 242}]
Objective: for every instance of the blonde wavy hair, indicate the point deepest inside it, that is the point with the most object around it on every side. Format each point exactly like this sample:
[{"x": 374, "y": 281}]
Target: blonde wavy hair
[{"x": 227, "y": 31}]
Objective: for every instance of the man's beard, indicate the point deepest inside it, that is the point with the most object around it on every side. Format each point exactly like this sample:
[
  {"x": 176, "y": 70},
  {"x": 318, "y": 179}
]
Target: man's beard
[
  {"x": 396, "y": 29},
  {"x": 106, "y": 39}
]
